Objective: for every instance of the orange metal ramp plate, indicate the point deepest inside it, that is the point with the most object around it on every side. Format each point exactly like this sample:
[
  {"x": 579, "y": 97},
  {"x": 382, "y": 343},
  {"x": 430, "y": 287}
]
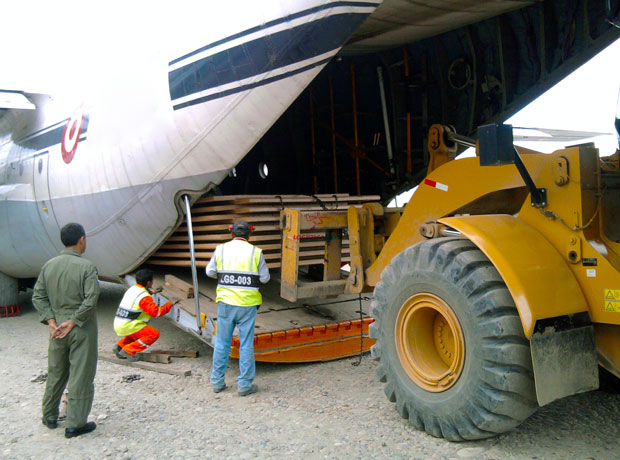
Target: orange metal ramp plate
[{"x": 311, "y": 343}]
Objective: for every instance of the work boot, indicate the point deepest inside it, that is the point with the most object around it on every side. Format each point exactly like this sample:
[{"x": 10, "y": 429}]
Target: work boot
[
  {"x": 117, "y": 351},
  {"x": 248, "y": 391},
  {"x": 73, "y": 432},
  {"x": 133, "y": 358},
  {"x": 219, "y": 388},
  {"x": 51, "y": 424}
]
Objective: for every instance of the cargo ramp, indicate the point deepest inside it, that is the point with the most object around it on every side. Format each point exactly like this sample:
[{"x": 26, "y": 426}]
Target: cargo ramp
[{"x": 312, "y": 329}]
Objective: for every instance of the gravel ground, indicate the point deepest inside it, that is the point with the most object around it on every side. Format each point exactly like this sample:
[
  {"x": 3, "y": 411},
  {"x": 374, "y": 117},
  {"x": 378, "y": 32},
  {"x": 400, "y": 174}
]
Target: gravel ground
[{"x": 328, "y": 410}]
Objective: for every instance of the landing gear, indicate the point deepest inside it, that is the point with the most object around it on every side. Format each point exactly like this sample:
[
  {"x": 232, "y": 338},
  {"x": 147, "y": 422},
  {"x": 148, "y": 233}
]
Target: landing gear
[
  {"x": 450, "y": 342},
  {"x": 8, "y": 290}
]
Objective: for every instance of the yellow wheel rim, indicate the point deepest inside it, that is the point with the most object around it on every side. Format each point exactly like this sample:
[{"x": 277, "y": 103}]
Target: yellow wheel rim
[{"x": 429, "y": 342}]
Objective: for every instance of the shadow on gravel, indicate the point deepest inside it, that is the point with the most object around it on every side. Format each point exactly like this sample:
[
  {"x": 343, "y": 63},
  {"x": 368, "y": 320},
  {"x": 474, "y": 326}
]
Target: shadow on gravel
[{"x": 585, "y": 426}]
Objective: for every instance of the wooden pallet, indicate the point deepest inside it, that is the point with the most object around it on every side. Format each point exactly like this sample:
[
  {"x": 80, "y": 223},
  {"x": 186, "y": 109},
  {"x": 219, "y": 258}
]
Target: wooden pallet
[{"x": 212, "y": 216}]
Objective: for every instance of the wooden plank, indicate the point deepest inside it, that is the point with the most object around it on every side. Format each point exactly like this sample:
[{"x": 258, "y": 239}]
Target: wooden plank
[
  {"x": 207, "y": 256},
  {"x": 250, "y": 219},
  {"x": 220, "y": 198},
  {"x": 178, "y": 263},
  {"x": 223, "y": 237},
  {"x": 171, "y": 292},
  {"x": 236, "y": 210},
  {"x": 333, "y": 206},
  {"x": 151, "y": 357},
  {"x": 225, "y": 199},
  {"x": 179, "y": 284},
  {"x": 306, "y": 199},
  {"x": 142, "y": 365},
  {"x": 224, "y": 227},
  {"x": 201, "y": 209},
  {"x": 290, "y": 198},
  {"x": 178, "y": 353},
  {"x": 203, "y": 263},
  {"x": 269, "y": 246},
  {"x": 269, "y": 251},
  {"x": 216, "y": 213},
  {"x": 309, "y": 242},
  {"x": 200, "y": 246},
  {"x": 189, "y": 307},
  {"x": 310, "y": 235}
]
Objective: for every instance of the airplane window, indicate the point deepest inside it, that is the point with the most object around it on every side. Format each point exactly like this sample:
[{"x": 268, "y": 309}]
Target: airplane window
[{"x": 263, "y": 170}]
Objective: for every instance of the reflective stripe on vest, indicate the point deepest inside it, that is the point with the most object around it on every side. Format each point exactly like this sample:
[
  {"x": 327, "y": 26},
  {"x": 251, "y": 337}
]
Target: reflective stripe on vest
[
  {"x": 238, "y": 280},
  {"x": 129, "y": 317}
]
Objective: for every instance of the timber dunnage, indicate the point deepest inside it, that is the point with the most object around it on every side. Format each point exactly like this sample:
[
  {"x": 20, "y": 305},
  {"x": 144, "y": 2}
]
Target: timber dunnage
[{"x": 212, "y": 216}]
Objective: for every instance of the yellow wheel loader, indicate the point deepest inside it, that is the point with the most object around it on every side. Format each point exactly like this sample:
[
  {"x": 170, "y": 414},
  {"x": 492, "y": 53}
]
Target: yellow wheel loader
[{"x": 496, "y": 291}]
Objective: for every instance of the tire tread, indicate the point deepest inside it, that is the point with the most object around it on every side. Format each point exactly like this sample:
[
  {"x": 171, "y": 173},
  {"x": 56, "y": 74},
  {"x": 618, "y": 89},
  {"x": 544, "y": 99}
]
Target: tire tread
[{"x": 505, "y": 394}]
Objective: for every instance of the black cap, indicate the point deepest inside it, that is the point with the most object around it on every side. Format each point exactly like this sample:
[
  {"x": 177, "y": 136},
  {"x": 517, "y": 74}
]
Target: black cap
[{"x": 241, "y": 228}]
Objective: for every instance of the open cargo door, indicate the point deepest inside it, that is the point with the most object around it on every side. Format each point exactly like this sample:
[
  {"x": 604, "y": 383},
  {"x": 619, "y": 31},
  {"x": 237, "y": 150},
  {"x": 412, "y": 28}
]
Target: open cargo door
[{"x": 316, "y": 329}]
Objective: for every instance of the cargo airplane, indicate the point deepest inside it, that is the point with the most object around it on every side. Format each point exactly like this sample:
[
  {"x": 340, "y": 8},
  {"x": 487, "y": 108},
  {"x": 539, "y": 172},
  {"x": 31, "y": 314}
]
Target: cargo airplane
[{"x": 180, "y": 108}]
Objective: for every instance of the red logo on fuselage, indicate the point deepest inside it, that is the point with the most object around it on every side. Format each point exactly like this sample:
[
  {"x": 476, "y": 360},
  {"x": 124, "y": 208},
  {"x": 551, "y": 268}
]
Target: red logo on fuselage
[{"x": 71, "y": 135}]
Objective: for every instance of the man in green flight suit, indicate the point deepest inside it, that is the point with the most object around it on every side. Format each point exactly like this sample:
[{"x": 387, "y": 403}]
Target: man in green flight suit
[{"x": 65, "y": 295}]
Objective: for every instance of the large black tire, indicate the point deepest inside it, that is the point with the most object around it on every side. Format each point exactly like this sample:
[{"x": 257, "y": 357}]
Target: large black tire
[{"x": 494, "y": 389}]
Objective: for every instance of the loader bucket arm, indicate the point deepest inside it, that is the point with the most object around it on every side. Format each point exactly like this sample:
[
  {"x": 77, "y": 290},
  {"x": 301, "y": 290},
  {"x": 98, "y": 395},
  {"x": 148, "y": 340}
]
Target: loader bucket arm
[{"x": 449, "y": 188}]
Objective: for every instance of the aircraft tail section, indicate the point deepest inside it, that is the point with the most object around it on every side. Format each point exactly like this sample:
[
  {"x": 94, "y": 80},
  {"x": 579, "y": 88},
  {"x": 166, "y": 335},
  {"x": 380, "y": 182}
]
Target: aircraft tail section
[{"x": 258, "y": 56}]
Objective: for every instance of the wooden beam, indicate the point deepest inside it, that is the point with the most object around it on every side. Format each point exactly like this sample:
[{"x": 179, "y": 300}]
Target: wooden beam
[
  {"x": 203, "y": 263},
  {"x": 142, "y": 365},
  {"x": 151, "y": 357},
  {"x": 179, "y": 285},
  {"x": 177, "y": 353}
]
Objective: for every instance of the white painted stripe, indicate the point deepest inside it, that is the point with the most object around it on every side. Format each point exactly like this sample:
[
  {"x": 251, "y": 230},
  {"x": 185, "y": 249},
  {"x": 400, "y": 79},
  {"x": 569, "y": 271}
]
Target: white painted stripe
[
  {"x": 255, "y": 78},
  {"x": 271, "y": 30},
  {"x": 239, "y": 288},
  {"x": 440, "y": 186}
]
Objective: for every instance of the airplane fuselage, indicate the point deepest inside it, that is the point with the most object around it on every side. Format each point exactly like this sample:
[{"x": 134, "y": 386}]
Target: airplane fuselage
[{"x": 173, "y": 122}]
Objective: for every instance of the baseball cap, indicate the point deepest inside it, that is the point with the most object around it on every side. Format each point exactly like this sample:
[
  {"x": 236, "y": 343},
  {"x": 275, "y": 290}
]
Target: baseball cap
[{"x": 241, "y": 227}]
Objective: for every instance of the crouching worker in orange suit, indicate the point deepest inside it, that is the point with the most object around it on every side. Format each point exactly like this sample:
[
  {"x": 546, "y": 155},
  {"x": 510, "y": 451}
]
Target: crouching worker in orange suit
[{"x": 134, "y": 312}]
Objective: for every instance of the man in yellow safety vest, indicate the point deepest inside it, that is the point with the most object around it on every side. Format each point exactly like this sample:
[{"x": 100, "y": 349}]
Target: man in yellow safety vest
[{"x": 239, "y": 267}]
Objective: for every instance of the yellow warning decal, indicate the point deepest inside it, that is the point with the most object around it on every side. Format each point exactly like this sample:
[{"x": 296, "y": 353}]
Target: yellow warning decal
[{"x": 612, "y": 300}]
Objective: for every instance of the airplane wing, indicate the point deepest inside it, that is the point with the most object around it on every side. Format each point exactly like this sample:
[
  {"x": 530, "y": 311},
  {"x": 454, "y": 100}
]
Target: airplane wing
[
  {"x": 15, "y": 100},
  {"x": 553, "y": 135},
  {"x": 21, "y": 113}
]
